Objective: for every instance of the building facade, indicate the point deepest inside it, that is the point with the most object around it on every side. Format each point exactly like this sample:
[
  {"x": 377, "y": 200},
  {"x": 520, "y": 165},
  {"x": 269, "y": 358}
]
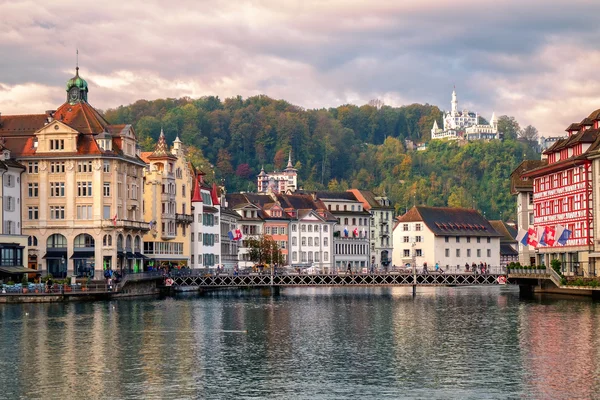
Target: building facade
[
  {"x": 14, "y": 254},
  {"x": 382, "y": 222},
  {"x": 508, "y": 244},
  {"x": 522, "y": 189},
  {"x": 168, "y": 179},
  {"x": 229, "y": 246},
  {"x": 451, "y": 237},
  {"x": 206, "y": 228},
  {"x": 82, "y": 185},
  {"x": 351, "y": 236},
  {"x": 564, "y": 196}
]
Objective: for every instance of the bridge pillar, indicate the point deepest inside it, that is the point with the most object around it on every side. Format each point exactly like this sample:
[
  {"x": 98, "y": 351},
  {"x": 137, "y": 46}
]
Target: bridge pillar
[{"x": 526, "y": 291}]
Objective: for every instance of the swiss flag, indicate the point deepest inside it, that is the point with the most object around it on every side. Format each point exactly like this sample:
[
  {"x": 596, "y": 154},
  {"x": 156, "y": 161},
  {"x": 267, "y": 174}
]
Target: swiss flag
[
  {"x": 238, "y": 234},
  {"x": 532, "y": 240},
  {"x": 550, "y": 235}
]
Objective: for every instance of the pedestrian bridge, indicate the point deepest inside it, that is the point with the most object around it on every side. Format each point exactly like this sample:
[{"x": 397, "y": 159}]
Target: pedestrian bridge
[{"x": 295, "y": 280}]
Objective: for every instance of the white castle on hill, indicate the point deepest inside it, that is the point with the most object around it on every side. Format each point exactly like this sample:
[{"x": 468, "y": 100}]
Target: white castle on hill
[{"x": 464, "y": 125}]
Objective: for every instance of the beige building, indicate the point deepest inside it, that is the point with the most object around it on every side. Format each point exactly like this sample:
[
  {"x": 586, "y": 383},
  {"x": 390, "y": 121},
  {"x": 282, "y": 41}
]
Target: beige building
[
  {"x": 168, "y": 180},
  {"x": 451, "y": 237},
  {"x": 82, "y": 187}
]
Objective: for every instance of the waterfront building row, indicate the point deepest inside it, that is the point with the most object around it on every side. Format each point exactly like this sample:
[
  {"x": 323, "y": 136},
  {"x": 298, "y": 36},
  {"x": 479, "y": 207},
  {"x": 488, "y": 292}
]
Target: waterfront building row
[
  {"x": 79, "y": 198},
  {"x": 561, "y": 191}
]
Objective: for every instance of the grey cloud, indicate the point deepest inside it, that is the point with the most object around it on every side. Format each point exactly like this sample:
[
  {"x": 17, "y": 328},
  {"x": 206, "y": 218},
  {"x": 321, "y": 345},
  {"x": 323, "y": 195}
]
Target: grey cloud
[{"x": 313, "y": 53}]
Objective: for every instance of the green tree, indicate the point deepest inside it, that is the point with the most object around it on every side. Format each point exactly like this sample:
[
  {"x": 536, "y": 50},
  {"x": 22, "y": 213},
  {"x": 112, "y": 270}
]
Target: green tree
[{"x": 508, "y": 127}]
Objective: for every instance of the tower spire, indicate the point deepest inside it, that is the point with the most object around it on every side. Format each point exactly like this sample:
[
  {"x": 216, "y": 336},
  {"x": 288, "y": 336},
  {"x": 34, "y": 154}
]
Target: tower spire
[{"x": 289, "y": 164}]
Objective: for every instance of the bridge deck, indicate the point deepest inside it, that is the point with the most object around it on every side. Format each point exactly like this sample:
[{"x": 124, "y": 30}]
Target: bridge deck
[{"x": 433, "y": 279}]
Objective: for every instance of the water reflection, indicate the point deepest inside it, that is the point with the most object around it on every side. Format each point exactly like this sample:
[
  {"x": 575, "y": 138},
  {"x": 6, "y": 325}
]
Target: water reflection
[{"x": 324, "y": 343}]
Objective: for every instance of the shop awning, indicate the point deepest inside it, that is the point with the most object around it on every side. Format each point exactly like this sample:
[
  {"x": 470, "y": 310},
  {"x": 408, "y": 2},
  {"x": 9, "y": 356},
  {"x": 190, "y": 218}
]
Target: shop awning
[
  {"x": 55, "y": 254},
  {"x": 137, "y": 254},
  {"x": 159, "y": 258},
  {"x": 17, "y": 270},
  {"x": 129, "y": 254},
  {"x": 83, "y": 254}
]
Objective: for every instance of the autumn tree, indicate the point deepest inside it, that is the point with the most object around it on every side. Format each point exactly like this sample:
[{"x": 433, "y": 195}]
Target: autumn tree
[
  {"x": 264, "y": 250},
  {"x": 224, "y": 162}
]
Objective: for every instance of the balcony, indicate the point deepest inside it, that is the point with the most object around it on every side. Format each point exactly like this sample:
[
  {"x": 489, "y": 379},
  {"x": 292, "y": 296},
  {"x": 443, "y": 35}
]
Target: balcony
[
  {"x": 167, "y": 197},
  {"x": 167, "y": 235},
  {"x": 126, "y": 224},
  {"x": 184, "y": 218}
]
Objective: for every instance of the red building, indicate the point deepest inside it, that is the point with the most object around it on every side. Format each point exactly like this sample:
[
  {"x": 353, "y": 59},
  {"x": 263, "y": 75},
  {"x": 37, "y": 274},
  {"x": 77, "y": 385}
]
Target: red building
[{"x": 563, "y": 196}]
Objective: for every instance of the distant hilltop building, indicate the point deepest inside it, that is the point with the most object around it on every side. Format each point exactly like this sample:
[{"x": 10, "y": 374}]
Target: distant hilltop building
[
  {"x": 544, "y": 143},
  {"x": 278, "y": 181},
  {"x": 464, "y": 125}
]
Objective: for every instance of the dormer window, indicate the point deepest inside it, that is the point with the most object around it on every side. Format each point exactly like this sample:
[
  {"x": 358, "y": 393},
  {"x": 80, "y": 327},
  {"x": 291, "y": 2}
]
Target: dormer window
[
  {"x": 105, "y": 144},
  {"x": 6, "y": 155},
  {"x": 57, "y": 144}
]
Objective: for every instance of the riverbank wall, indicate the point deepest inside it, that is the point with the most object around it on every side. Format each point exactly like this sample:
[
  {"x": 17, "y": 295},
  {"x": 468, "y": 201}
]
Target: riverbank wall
[{"x": 130, "y": 289}]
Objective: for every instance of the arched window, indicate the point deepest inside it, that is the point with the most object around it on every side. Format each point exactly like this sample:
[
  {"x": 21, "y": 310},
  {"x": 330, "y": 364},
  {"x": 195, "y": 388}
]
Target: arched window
[
  {"x": 107, "y": 240},
  {"x": 84, "y": 240},
  {"x": 138, "y": 243},
  {"x": 32, "y": 241},
  {"x": 128, "y": 242},
  {"x": 57, "y": 240},
  {"x": 120, "y": 242}
]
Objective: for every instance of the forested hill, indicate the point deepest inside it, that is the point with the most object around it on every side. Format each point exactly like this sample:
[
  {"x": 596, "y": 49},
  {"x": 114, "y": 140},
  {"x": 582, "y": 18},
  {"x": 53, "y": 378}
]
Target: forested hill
[{"x": 338, "y": 148}]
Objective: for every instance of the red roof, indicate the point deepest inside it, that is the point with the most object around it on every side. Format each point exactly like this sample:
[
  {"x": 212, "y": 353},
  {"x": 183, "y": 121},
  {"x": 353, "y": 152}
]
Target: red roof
[
  {"x": 214, "y": 193},
  {"x": 144, "y": 156},
  {"x": 196, "y": 196},
  {"x": 82, "y": 117},
  {"x": 12, "y": 125}
]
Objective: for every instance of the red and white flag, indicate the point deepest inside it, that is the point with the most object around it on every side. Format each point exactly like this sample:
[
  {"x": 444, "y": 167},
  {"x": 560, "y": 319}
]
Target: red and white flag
[
  {"x": 550, "y": 235},
  {"x": 114, "y": 219},
  {"x": 532, "y": 239},
  {"x": 238, "y": 234}
]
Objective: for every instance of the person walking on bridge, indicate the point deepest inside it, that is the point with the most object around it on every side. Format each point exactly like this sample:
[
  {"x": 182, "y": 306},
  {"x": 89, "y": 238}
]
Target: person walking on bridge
[{"x": 349, "y": 270}]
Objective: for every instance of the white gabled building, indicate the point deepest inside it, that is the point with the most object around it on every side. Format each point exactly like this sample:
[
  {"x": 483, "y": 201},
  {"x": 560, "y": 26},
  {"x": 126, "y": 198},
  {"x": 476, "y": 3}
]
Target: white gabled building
[
  {"x": 448, "y": 236},
  {"x": 311, "y": 240},
  {"x": 206, "y": 228}
]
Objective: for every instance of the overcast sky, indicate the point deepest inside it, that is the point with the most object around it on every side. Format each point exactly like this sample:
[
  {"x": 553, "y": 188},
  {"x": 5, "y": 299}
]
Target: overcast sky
[{"x": 534, "y": 59}]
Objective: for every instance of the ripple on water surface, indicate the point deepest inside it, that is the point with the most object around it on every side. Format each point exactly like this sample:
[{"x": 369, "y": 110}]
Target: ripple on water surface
[{"x": 305, "y": 343}]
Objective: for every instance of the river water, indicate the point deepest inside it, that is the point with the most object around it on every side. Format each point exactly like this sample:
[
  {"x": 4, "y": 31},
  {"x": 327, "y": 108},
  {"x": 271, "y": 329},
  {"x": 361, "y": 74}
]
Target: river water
[{"x": 305, "y": 343}]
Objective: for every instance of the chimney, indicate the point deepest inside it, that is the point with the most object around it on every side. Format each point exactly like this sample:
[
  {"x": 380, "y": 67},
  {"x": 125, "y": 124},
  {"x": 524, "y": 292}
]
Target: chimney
[{"x": 50, "y": 115}]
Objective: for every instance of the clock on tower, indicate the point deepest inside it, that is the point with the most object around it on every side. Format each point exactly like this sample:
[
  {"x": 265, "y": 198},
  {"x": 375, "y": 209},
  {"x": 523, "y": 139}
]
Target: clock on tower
[{"x": 77, "y": 89}]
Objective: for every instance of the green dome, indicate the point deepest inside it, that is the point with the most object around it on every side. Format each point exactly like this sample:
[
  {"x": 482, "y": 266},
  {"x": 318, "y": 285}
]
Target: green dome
[{"x": 77, "y": 81}]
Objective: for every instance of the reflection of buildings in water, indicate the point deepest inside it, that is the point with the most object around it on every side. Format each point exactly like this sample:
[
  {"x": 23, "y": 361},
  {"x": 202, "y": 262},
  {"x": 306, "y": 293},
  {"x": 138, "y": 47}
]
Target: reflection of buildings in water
[{"x": 559, "y": 349}]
